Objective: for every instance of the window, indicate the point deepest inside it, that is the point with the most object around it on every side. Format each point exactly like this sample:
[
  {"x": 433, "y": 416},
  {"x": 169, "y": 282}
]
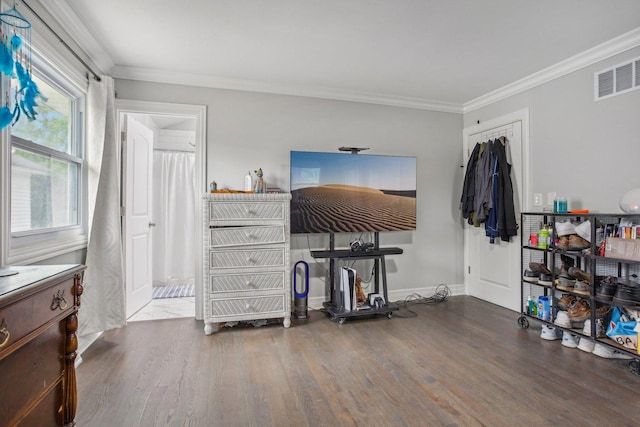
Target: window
[{"x": 47, "y": 172}]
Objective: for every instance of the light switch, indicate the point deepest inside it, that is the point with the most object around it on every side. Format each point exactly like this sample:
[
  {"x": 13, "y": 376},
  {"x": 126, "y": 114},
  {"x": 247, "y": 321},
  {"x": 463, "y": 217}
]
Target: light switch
[
  {"x": 551, "y": 196},
  {"x": 537, "y": 199}
]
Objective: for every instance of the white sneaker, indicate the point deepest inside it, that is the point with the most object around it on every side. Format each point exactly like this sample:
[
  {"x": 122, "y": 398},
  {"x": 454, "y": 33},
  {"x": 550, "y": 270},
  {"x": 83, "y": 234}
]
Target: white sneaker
[
  {"x": 549, "y": 333},
  {"x": 609, "y": 353},
  {"x": 562, "y": 319},
  {"x": 586, "y": 345},
  {"x": 570, "y": 340},
  {"x": 600, "y": 331}
]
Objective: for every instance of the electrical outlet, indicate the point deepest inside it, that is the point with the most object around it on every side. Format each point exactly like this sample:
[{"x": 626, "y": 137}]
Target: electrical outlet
[
  {"x": 537, "y": 199},
  {"x": 551, "y": 196}
]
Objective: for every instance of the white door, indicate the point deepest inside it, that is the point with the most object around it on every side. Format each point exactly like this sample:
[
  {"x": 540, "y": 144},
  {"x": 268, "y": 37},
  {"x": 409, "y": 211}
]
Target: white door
[
  {"x": 493, "y": 270},
  {"x": 138, "y": 155}
]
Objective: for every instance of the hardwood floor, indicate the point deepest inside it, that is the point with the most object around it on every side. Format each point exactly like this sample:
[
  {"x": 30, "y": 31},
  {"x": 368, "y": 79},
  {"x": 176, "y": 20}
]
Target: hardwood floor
[{"x": 462, "y": 362}]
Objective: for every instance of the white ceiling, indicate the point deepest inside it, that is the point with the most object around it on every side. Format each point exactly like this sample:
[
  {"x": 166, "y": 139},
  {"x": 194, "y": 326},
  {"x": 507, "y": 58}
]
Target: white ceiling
[{"x": 420, "y": 52}]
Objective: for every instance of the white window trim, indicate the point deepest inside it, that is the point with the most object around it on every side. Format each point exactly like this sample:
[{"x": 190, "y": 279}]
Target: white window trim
[{"x": 38, "y": 247}]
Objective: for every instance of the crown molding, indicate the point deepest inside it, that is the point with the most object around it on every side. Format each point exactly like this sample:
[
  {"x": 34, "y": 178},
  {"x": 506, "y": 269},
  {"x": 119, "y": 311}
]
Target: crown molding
[
  {"x": 77, "y": 30},
  {"x": 64, "y": 14},
  {"x": 584, "y": 59},
  {"x": 200, "y": 80}
]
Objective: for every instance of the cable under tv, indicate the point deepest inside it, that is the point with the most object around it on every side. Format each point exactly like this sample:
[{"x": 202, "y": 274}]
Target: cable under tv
[{"x": 353, "y": 150}]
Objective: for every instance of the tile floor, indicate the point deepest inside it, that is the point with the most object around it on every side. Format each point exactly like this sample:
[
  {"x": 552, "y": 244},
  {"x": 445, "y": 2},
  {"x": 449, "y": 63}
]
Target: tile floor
[{"x": 166, "y": 308}]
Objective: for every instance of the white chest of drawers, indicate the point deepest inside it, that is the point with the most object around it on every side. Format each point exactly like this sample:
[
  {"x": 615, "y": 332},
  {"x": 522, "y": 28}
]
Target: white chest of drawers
[{"x": 246, "y": 258}]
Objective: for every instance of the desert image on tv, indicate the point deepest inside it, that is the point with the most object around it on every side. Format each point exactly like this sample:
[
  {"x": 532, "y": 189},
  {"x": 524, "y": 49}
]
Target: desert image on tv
[{"x": 348, "y": 208}]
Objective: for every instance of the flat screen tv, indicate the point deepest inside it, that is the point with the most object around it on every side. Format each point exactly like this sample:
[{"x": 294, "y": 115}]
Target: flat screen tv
[{"x": 338, "y": 192}]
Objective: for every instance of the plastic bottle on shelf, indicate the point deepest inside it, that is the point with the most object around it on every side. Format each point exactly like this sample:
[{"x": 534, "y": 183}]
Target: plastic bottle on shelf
[
  {"x": 248, "y": 182},
  {"x": 560, "y": 205},
  {"x": 543, "y": 237},
  {"x": 550, "y": 241},
  {"x": 533, "y": 306},
  {"x": 544, "y": 312}
]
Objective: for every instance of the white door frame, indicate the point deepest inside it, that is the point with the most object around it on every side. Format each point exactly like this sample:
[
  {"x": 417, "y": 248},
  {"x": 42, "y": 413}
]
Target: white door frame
[
  {"x": 520, "y": 115},
  {"x": 124, "y": 106}
]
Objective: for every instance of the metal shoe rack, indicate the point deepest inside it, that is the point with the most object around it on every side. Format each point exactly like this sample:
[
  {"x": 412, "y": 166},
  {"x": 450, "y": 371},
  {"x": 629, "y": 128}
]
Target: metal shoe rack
[{"x": 590, "y": 260}]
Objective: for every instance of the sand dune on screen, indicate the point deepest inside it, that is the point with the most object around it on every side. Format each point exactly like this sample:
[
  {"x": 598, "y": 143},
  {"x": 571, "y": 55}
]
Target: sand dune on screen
[{"x": 343, "y": 208}]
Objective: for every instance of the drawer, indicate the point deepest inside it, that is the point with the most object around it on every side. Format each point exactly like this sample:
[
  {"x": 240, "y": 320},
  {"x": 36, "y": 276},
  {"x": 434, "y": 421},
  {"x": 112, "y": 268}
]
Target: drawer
[
  {"x": 32, "y": 371},
  {"x": 48, "y": 412},
  {"x": 246, "y": 210},
  {"x": 247, "y": 258},
  {"x": 238, "y": 236},
  {"x": 27, "y": 315},
  {"x": 246, "y": 282},
  {"x": 247, "y": 306}
]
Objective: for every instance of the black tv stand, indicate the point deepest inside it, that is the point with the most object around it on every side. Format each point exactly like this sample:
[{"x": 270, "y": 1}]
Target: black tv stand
[{"x": 335, "y": 307}]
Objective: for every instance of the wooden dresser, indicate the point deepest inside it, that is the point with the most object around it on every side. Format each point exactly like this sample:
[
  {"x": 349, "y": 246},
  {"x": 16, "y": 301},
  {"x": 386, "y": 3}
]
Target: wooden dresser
[
  {"x": 38, "y": 343},
  {"x": 246, "y": 258}
]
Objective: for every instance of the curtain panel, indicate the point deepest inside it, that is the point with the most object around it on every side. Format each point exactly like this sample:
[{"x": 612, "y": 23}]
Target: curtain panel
[{"x": 103, "y": 300}]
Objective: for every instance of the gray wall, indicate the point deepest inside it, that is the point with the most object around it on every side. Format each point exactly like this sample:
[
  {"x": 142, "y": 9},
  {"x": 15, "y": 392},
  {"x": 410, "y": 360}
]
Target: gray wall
[
  {"x": 585, "y": 150},
  {"x": 247, "y": 130}
]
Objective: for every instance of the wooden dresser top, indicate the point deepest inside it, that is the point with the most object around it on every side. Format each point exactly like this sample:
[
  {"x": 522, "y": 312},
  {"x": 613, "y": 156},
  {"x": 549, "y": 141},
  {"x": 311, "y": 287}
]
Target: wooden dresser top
[{"x": 29, "y": 276}]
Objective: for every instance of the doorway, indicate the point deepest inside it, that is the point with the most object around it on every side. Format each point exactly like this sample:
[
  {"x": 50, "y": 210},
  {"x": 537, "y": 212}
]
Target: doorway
[
  {"x": 179, "y": 132},
  {"x": 492, "y": 271}
]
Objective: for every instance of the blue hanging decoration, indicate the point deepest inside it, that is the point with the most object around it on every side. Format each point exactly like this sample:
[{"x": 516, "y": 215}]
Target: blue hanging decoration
[
  {"x": 15, "y": 63},
  {"x": 6, "y": 117}
]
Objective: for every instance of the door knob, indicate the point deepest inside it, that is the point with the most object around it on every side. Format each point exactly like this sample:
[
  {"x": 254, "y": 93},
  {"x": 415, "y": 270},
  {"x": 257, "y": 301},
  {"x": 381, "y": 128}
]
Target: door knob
[{"x": 152, "y": 224}]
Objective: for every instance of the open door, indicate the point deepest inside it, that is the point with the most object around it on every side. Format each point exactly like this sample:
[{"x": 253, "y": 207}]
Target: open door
[{"x": 138, "y": 168}]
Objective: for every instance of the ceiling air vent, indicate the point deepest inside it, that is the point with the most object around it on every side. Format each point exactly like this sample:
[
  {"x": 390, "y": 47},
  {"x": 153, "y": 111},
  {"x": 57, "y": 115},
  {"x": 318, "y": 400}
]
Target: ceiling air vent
[{"x": 618, "y": 79}]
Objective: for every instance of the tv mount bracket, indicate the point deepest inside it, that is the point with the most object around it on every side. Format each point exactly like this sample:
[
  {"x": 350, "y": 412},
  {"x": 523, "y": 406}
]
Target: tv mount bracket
[{"x": 354, "y": 150}]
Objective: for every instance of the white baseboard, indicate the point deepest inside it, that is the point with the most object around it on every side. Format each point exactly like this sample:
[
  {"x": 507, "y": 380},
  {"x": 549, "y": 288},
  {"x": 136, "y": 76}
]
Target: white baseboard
[{"x": 84, "y": 342}]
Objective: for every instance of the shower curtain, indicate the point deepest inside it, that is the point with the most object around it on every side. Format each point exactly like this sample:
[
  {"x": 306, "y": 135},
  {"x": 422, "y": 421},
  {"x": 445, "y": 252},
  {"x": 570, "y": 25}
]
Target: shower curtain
[{"x": 174, "y": 204}]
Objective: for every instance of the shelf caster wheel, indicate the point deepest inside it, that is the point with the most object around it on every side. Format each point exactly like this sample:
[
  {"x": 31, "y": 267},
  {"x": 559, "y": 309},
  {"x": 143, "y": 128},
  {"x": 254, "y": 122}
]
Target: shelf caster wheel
[
  {"x": 389, "y": 314},
  {"x": 341, "y": 320},
  {"x": 523, "y": 322}
]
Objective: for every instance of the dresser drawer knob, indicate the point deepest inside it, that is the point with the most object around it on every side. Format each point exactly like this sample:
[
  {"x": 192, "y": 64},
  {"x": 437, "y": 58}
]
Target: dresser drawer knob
[
  {"x": 59, "y": 301},
  {"x": 248, "y": 284},
  {"x": 4, "y": 331}
]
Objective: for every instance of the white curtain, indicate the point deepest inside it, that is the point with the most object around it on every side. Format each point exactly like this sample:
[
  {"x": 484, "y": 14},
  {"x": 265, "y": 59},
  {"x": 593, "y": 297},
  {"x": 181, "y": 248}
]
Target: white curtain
[
  {"x": 103, "y": 301},
  {"x": 174, "y": 204}
]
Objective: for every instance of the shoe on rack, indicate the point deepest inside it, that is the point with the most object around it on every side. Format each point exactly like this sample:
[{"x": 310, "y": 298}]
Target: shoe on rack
[
  {"x": 609, "y": 353},
  {"x": 530, "y": 276},
  {"x": 570, "y": 340},
  {"x": 566, "y": 262},
  {"x": 603, "y": 312},
  {"x": 539, "y": 267},
  {"x": 566, "y": 301},
  {"x": 563, "y": 243},
  {"x": 550, "y": 333},
  {"x": 565, "y": 283},
  {"x": 600, "y": 330},
  {"x": 577, "y": 243},
  {"x": 562, "y": 320},
  {"x": 545, "y": 279},
  {"x": 582, "y": 287},
  {"x": 585, "y": 344},
  {"x": 579, "y": 274},
  {"x": 607, "y": 288},
  {"x": 627, "y": 293},
  {"x": 579, "y": 313}
]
